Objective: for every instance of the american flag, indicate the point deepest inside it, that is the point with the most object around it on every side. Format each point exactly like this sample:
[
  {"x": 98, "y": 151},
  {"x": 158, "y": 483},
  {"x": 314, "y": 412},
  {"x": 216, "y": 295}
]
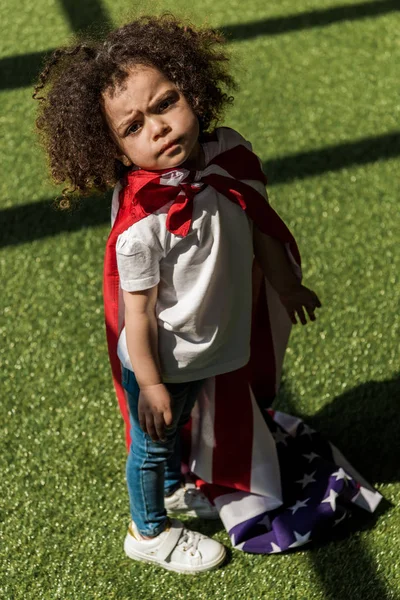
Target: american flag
[{"x": 277, "y": 483}]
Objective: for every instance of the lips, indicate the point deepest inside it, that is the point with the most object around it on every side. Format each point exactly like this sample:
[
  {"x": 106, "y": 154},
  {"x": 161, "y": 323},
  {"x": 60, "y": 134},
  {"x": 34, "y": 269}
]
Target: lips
[{"x": 168, "y": 145}]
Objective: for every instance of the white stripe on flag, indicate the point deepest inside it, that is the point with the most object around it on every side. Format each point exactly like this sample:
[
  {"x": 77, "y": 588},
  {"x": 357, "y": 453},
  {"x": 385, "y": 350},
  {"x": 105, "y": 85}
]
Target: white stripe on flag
[
  {"x": 237, "y": 507},
  {"x": 367, "y": 498},
  {"x": 265, "y": 473},
  {"x": 202, "y": 432},
  {"x": 288, "y": 422},
  {"x": 280, "y": 328}
]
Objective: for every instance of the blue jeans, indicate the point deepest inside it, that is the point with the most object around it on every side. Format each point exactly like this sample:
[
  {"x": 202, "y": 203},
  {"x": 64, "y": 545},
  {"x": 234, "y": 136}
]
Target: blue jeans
[{"x": 153, "y": 469}]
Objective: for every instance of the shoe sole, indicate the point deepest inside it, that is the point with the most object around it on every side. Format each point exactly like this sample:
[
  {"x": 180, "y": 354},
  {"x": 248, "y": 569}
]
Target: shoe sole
[
  {"x": 193, "y": 513},
  {"x": 187, "y": 571}
]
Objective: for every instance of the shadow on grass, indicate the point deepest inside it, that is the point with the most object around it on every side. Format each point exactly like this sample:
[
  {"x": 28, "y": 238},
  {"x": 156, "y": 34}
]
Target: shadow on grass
[
  {"x": 22, "y": 71},
  {"x": 90, "y": 15},
  {"x": 308, "y": 20},
  {"x": 332, "y": 158},
  {"x": 29, "y": 222},
  {"x": 38, "y": 220},
  {"x": 363, "y": 423},
  {"x": 344, "y": 565}
]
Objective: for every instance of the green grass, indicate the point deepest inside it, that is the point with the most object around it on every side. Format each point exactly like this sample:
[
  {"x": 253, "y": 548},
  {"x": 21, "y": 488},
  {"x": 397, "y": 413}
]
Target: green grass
[{"x": 320, "y": 103}]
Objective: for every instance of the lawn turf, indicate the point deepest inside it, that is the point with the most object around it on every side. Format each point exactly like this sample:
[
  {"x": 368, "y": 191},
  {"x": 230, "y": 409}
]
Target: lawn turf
[{"x": 319, "y": 100}]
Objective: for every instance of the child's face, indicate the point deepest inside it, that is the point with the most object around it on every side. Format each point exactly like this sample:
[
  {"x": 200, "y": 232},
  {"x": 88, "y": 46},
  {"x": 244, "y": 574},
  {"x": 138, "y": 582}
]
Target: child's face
[{"x": 151, "y": 121}]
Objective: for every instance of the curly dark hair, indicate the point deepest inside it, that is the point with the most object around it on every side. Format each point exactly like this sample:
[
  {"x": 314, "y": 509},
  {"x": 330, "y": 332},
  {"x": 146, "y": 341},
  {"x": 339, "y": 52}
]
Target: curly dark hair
[{"x": 71, "y": 122}]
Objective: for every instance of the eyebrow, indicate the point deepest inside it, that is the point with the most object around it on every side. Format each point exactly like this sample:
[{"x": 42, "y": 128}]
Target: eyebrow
[{"x": 121, "y": 127}]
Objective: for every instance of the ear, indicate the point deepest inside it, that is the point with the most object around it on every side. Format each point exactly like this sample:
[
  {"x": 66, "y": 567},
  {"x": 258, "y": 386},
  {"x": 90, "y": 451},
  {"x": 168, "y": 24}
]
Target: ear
[{"x": 125, "y": 160}]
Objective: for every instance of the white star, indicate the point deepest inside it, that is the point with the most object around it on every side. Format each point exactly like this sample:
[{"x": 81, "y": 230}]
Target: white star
[
  {"x": 300, "y": 539},
  {"x": 341, "y": 474},
  {"x": 307, "y": 430},
  {"x": 331, "y": 499},
  {"x": 306, "y": 479},
  {"x": 310, "y": 457},
  {"x": 275, "y": 548},
  {"x": 279, "y": 436},
  {"x": 299, "y": 504},
  {"x": 344, "y": 515}
]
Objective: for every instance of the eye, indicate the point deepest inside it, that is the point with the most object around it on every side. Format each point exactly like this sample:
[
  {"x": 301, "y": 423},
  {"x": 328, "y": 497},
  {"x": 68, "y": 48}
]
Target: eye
[
  {"x": 166, "y": 103},
  {"x": 134, "y": 128}
]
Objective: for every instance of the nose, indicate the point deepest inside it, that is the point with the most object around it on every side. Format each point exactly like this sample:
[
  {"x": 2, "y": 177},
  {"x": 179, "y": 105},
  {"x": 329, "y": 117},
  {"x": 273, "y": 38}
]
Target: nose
[{"x": 159, "y": 127}]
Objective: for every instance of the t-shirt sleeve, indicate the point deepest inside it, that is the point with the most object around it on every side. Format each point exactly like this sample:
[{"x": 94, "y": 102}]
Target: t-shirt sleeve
[{"x": 138, "y": 264}]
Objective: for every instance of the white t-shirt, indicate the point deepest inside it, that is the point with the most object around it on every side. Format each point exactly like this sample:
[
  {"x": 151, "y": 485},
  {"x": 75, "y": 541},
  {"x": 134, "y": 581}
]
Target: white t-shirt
[{"x": 204, "y": 279}]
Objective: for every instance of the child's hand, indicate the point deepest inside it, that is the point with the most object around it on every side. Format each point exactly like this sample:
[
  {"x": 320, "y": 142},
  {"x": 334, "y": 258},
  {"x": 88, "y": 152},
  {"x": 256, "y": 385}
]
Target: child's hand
[
  {"x": 155, "y": 411},
  {"x": 296, "y": 300}
]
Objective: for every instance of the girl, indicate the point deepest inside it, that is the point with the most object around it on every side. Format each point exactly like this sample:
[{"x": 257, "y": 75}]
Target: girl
[{"x": 190, "y": 213}]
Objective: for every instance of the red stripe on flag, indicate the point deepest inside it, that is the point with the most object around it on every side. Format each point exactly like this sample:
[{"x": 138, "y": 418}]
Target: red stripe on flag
[
  {"x": 262, "y": 365},
  {"x": 240, "y": 163},
  {"x": 233, "y": 431},
  {"x": 111, "y": 312}
]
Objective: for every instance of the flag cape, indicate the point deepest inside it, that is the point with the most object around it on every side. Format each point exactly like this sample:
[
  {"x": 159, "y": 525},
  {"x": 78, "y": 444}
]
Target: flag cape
[{"x": 276, "y": 483}]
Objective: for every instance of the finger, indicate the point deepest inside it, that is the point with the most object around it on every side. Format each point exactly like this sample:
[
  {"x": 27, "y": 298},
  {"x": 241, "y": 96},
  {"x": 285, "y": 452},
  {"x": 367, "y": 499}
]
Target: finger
[
  {"x": 310, "y": 312},
  {"x": 301, "y": 315},
  {"x": 151, "y": 430},
  {"x": 317, "y": 301},
  {"x": 292, "y": 317},
  {"x": 168, "y": 418},
  {"x": 142, "y": 420},
  {"x": 160, "y": 427}
]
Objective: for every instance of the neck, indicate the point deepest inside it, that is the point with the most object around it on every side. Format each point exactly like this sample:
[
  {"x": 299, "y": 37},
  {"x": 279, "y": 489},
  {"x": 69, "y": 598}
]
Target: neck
[{"x": 196, "y": 160}]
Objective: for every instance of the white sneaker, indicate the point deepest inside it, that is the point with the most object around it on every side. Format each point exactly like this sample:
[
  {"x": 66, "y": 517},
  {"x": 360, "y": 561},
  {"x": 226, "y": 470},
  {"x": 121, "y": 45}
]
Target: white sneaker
[
  {"x": 189, "y": 500},
  {"x": 176, "y": 549}
]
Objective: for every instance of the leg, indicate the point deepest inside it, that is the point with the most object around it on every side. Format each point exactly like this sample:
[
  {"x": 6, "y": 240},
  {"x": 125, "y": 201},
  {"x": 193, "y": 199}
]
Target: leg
[
  {"x": 146, "y": 459},
  {"x": 144, "y": 470},
  {"x": 175, "y": 548}
]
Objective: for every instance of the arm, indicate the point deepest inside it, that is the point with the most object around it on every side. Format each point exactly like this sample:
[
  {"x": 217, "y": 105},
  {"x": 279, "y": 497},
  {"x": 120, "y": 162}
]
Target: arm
[
  {"x": 274, "y": 261},
  {"x": 142, "y": 340},
  {"x": 272, "y": 258}
]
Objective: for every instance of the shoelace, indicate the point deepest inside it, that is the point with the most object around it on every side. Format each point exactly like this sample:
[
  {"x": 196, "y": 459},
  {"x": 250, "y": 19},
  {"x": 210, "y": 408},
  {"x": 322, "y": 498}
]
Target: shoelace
[{"x": 189, "y": 540}]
